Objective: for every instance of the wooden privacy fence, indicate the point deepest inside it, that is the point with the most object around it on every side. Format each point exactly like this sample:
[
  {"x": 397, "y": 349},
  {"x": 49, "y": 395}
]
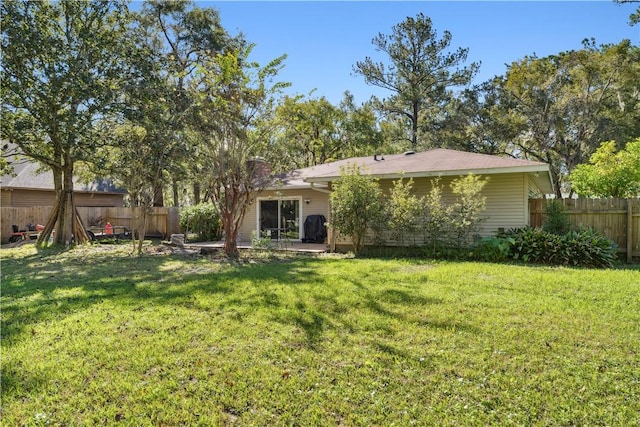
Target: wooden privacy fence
[
  {"x": 617, "y": 219},
  {"x": 161, "y": 223}
]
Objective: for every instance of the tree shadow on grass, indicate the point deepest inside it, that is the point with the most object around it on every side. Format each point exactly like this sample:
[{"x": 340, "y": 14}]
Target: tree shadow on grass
[
  {"x": 292, "y": 292},
  {"x": 15, "y": 381},
  {"x": 51, "y": 286}
]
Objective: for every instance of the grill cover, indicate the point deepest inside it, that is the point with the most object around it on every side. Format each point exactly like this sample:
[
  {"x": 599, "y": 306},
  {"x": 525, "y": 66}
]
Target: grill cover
[{"x": 314, "y": 229}]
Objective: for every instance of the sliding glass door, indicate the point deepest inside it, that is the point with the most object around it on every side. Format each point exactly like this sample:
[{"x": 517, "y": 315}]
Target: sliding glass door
[{"x": 280, "y": 219}]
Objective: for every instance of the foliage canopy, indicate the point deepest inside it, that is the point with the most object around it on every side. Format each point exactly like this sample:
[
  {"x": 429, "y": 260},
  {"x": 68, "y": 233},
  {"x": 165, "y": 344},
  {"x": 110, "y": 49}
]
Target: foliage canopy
[{"x": 610, "y": 173}]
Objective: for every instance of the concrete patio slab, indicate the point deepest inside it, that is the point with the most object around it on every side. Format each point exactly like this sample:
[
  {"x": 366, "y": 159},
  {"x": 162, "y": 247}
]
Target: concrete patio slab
[{"x": 313, "y": 248}]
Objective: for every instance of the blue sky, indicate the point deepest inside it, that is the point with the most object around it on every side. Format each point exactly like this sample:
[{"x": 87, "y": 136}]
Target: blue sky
[{"x": 323, "y": 40}]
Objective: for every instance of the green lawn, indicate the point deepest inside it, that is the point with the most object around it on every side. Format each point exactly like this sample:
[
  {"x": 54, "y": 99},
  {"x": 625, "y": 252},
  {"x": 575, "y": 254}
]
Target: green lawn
[{"x": 93, "y": 337}]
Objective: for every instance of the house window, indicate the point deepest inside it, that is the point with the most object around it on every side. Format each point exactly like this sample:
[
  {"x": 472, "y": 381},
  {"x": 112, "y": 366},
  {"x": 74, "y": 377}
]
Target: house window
[{"x": 279, "y": 219}]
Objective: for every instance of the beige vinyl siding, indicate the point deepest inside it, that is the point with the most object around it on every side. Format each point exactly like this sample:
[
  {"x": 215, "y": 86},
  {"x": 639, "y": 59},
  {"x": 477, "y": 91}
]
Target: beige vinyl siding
[
  {"x": 506, "y": 203},
  {"x": 97, "y": 199},
  {"x": 506, "y": 199},
  {"x": 28, "y": 198},
  {"x": 6, "y": 198},
  {"x": 318, "y": 205}
]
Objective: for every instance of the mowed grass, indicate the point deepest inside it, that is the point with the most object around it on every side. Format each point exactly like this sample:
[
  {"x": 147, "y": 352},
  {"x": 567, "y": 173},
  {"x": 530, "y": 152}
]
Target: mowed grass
[{"x": 94, "y": 337}]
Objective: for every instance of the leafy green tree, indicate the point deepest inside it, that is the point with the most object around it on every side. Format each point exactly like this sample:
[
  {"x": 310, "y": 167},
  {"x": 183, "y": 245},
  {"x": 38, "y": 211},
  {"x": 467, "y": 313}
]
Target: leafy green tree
[
  {"x": 135, "y": 159},
  {"x": 453, "y": 224},
  {"x": 420, "y": 71},
  {"x": 149, "y": 146},
  {"x": 235, "y": 99},
  {"x": 404, "y": 210},
  {"x": 62, "y": 72},
  {"x": 609, "y": 173},
  {"x": 202, "y": 219},
  {"x": 436, "y": 217},
  {"x": 565, "y": 104},
  {"x": 356, "y": 205},
  {"x": 314, "y": 131},
  {"x": 309, "y": 131},
  {"x": 176, "y": 38},
  {"x": 465, "y": 212},
  {"x": 359, "y": 132},
  {"x": 556, "y": 219},
  {"x": 480, "y": 120}
]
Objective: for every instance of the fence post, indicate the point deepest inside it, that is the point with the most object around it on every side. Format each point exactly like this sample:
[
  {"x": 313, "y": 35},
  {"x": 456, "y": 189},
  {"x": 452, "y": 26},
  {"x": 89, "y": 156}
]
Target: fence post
[{"x": 630, "y": 232}]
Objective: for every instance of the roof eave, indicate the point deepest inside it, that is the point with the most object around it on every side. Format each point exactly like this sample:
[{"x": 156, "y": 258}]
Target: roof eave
[
  {"x": 544, "y": 182},
  {"x": 456, "y": 172}
]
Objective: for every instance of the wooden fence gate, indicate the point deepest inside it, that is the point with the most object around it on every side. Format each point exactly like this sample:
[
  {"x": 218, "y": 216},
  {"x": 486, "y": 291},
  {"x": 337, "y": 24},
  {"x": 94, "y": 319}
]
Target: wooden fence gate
[{"x": 617, "y": 219}]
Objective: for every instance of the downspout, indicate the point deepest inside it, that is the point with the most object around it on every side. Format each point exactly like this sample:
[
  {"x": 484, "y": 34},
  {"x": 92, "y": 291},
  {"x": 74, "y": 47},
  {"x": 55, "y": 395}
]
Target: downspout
[{"x": 332, "y": 234}]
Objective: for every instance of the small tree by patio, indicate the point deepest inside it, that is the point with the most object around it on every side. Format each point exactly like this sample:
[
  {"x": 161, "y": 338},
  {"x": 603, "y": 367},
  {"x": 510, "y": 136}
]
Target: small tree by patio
[
  {"x": 404, "y": 210},
  {"x": 436, "y": 217},
  {"x": 465, "y": 218},
  {"x": 357, "y": 204},
  {"x": 453, "y": 224},
  {"x": 235, "y": 99}
]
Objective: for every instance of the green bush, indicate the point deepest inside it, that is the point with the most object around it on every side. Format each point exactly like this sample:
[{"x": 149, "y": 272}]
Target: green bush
[
  {"x": 202, "y": 219},
  {"x": 556, "y": 219},
  {"x": 534, "y": 245},
  {"x": 585, "y": 247},
  {"x": 357, "y": 205},
  {"x": 465, "y": 212},
  {"x": 260, "y": 242},
  {"x": 493, "y": 249},
  {"x": 590, "y": 248}
]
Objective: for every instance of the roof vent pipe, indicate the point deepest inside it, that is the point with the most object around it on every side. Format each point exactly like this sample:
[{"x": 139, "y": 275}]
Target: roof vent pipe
[{"x": 375, "y": 157}]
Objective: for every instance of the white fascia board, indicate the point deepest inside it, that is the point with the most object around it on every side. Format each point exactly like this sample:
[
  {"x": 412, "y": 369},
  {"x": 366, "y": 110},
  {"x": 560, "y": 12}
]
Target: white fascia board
[{"x": 289, "y": 187}]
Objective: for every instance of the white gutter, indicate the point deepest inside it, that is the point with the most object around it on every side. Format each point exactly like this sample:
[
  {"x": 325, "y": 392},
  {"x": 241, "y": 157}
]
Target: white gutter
[{"x": 321, "y": 190}]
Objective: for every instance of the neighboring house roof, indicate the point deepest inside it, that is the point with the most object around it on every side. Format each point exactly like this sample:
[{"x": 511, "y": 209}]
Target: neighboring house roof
[
  {"x": 438, "y": 162},
  {"x": 29, "y": 175}
]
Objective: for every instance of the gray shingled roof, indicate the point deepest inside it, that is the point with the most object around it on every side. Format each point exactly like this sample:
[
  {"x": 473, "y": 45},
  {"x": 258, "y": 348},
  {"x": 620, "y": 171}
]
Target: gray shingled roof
[
  {"x": 30, "y": 175},
  {"x": 438, "y": 162}
]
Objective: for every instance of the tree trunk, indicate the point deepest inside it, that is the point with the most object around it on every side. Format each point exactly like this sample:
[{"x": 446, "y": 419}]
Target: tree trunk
[
  {"x": 414, "y": 126},
  {"x": 176, "y": 195},
  {"x": 51, "y": 222},
  {"x": 158, "y": 199},
  {"x": 230, "y": 236},
  {"x": 196, "y": 193},
  {"x": 57, "y": 181},
  {"x": 141, "y": 227},
  {"x": 64, "y": 218}
]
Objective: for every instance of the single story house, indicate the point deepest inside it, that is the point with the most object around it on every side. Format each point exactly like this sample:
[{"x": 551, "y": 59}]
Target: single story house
[
  {"x": 284, "y": 206},
  {"x": 31, "y": 185}
]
